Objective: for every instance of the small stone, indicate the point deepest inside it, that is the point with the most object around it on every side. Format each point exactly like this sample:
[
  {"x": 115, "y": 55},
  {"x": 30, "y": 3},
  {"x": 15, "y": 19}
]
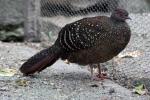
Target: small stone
[
  {"x": 94, "y": 85},
  {"x": 112, "y": 90}
]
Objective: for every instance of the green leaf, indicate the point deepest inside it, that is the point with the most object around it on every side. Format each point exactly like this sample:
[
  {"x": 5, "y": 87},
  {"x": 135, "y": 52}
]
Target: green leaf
[
  {"x": 49, "y": 34},
  {"x": 140, "y": 89}
]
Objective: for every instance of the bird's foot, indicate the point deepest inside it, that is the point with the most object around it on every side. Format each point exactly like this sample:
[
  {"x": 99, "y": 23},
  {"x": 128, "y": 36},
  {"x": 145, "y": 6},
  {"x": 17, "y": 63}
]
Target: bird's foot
[{"x": 99, "y": 77}]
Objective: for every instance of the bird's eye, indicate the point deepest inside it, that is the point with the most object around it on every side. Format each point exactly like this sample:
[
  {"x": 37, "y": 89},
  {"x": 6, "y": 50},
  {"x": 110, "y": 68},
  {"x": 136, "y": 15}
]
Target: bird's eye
[{"x": 126, "y": 14}]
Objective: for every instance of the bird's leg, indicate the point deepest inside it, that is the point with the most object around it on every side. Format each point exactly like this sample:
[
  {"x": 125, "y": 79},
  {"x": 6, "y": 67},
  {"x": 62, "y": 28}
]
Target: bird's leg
[
  {"x": 101, "y": 73},
  {"x": 99, "y": 69},
  {"x": 90, "y": 68},
  {"x": 93, "y": 77}
]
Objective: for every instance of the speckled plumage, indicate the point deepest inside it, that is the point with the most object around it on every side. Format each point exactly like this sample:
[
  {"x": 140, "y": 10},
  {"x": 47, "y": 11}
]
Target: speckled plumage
[{"x": 87, "y": 41}]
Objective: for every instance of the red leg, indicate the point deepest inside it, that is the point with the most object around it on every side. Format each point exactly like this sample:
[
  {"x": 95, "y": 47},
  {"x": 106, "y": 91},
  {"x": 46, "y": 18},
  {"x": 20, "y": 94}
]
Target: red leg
[{"x": 101, "y": 73}]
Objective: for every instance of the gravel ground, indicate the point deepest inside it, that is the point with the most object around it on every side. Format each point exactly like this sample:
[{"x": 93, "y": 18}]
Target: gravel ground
[{"x": 58, "y": 82}]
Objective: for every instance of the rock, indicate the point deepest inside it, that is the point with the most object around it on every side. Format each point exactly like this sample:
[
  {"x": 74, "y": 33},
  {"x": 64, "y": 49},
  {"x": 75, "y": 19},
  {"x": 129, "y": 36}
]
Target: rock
[
  {"x": 17, "y": 35},
  {"x": 11, "y": 12}
]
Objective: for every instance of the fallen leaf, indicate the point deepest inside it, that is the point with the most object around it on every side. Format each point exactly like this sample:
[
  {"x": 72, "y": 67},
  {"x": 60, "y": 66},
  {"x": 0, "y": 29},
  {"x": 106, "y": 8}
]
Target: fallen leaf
[
  {"x": 130, "y": 54},
  {"x": 140, "y": 89},
  {"x": 22, "y": 82},
  {"x": 7, "y": 72}
]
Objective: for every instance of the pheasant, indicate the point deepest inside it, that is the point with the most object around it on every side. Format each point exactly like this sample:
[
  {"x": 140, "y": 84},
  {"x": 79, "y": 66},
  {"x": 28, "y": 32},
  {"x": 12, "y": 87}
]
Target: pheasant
[{"x": 88, "y": 41}]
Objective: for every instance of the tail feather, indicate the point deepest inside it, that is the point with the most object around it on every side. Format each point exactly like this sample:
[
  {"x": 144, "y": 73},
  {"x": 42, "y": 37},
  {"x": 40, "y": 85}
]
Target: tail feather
[{"x": 41, "y": 60}]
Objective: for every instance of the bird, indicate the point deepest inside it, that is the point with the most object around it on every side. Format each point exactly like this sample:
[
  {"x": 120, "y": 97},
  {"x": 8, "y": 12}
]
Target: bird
[{"x": 90, "y": 40}]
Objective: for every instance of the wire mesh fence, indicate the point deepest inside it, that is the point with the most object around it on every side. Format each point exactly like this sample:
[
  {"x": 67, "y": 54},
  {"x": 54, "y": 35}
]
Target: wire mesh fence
[{"x": 54, "y": 14}]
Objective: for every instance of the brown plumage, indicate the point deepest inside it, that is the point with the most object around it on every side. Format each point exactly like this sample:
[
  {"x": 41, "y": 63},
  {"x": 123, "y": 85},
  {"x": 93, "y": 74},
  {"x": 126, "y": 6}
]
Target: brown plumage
[{"x": 90, "y": 40}]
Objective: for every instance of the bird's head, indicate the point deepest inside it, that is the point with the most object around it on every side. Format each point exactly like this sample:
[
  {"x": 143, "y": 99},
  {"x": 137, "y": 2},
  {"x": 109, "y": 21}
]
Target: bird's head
[{"x": 120, "y": 14}]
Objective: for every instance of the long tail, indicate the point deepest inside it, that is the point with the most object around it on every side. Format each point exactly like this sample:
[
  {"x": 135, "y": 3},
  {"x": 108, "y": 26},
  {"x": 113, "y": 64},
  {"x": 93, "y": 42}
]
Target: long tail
[{"x": 41, "y": 60}]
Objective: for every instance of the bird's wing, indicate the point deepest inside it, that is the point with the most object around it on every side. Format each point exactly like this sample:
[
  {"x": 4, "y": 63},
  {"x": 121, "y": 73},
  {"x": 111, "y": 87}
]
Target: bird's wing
[{"x": 81, "y": 34}]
